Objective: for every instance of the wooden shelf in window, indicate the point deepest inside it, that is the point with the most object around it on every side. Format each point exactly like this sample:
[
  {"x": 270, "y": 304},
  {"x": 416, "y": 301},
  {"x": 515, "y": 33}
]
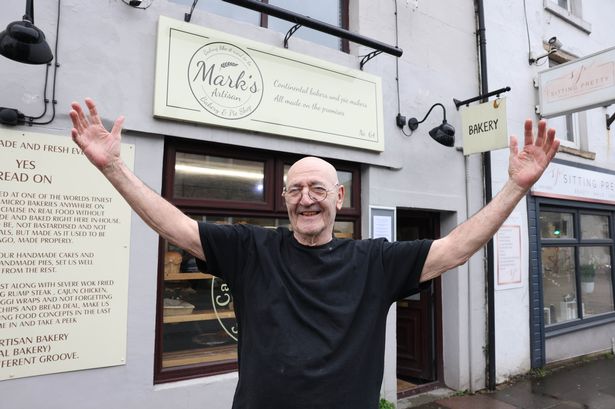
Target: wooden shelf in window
[
  {"x": 198, "y": 316},
  {"x": 199, "y": 356},
  {"x": 187, "y": 276}
]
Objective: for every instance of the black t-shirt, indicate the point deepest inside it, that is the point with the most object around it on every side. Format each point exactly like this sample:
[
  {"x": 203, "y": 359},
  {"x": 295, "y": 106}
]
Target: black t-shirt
[{"x": 311, "y": 319}]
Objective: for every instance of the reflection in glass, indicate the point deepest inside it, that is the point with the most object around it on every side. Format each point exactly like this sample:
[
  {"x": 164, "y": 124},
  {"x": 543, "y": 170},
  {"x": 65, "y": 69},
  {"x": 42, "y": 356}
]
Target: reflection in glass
[
  {"x": 218, "y": 178},
  {"x": 555, "y": 225},
  {"x": 559, "y": 285},
  {"x": 343, "y": 230},
  {"x": 595, "y": 277},
  {"x": 594, "y": 227}
]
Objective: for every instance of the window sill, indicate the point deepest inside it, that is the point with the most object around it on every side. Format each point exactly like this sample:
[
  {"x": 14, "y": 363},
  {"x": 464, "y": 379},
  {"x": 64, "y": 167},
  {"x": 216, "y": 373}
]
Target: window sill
[
  {"x": 568, "y": 16},
  {"x": 577, "y": 152},
  {"x": 579, "y": 325}
]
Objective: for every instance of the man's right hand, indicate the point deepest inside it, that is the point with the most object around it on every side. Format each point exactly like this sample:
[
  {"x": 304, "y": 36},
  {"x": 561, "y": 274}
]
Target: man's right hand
[
  {"x": 102, "y": 148},
  {"x": 99, "y": 146}
]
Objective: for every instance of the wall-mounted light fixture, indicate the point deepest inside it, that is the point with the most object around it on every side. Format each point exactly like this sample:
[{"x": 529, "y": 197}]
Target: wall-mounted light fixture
[
  {"x": 553, "y": 45},
  {"x": 443, "y": 134},
  {"x": 138, "y": 4},
  {"x": 11, "y": 116},
  {"x": 22, "y": 41}
]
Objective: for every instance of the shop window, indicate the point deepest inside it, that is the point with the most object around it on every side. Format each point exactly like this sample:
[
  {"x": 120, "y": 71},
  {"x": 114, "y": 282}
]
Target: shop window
[
  {"x": 576, "y": 258},
  {"x": 196, "y": 328},
  {"x": 212, "y": 177},
  {"x": 327, "y": 11}
]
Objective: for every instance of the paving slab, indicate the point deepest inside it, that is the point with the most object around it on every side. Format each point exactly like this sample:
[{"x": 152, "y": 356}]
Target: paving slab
[
  {"x": 588, "y": 385},
  {"x": 474, "y": 402}
]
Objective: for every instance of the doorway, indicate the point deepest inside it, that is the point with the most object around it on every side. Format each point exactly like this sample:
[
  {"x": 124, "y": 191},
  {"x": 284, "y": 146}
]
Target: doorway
[{"x": 419, "y": 320}]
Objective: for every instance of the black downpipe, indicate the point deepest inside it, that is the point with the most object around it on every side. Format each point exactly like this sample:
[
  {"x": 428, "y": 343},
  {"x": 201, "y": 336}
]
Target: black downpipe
[{"x": 482, "y": 42}]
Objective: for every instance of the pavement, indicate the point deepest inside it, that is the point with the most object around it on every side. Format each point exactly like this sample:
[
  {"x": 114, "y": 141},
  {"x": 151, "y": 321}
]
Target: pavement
[{"x": 584, "y": 385}]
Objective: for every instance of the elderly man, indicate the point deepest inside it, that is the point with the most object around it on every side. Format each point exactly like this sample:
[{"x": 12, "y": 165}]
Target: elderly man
[{"x": 311, "y": 309}]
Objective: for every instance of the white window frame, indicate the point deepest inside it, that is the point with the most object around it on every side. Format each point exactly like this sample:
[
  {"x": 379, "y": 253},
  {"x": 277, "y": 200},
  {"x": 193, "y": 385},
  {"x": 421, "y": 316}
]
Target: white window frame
[{"x": 573, "y": 14}]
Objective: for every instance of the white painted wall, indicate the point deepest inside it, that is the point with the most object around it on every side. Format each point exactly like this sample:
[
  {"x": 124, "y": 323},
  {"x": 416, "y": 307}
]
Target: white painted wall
[{"x": 507, "y": 50}]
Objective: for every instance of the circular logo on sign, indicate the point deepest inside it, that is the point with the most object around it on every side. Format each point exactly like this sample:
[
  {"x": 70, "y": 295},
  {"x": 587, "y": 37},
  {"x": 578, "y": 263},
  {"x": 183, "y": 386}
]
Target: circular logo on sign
[{"x": 225, "y": 80}]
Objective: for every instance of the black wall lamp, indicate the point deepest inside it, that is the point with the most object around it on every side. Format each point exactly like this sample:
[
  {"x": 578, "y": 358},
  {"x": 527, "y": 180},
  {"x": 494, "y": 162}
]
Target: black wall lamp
[
  {"x": 25, "y": 43},
  {"x": 22, "y": 41},
  {"x": 138, "y": 4},
  {"x": 443, "y": 134}
]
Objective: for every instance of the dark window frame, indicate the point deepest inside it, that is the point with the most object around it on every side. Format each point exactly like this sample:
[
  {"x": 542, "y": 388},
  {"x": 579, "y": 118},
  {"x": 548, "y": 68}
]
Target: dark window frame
[
  {"x": 272, "y": 207},
  {"x": 577, "y": 209}
]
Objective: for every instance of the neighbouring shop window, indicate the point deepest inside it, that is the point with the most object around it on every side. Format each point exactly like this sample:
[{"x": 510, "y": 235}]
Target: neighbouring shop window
[
  {"x": 576, "y": 258},
  {"x": 327, "y": 11},
  {"x": 196, "y": 330}
]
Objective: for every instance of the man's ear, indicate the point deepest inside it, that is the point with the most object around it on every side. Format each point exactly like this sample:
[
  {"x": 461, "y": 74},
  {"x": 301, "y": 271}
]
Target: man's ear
[{"x": 341, "y": 192}]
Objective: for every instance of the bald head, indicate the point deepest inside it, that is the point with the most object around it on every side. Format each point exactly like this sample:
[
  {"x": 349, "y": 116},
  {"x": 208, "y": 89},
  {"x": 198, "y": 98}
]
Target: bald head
[{"x": 311, "y": 165}]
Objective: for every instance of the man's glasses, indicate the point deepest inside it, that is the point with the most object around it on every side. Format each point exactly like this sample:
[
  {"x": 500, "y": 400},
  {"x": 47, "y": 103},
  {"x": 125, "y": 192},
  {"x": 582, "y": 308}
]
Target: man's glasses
[{"x": 316, "y": 193}]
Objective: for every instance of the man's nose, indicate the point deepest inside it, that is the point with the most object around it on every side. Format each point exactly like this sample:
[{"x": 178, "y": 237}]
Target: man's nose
[{"x": 305, "y": 196}]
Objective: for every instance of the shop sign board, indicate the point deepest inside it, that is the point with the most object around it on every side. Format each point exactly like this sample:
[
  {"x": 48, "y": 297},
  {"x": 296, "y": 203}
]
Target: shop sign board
[
  {"x": 485, "y": 127},
  {"x": 567, "y": 182},
  {"x": 64, "y": 248},
  {"x": 578, "y": 85},
  {"x": 206, "y": 76}
]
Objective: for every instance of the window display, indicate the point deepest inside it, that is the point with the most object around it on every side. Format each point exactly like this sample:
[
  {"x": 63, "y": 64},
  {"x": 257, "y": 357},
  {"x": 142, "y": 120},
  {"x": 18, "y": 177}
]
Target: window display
[{"x": 576, "y": 258}]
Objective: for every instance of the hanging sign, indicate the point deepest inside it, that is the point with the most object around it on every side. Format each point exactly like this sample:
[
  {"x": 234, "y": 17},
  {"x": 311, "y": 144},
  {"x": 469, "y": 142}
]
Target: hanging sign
[
  {"x": 484, "y": 127},
  {"x": 578, "y": 85},
  {"x": 210, "y": 77},
  {"x": 64, "y": 247}
]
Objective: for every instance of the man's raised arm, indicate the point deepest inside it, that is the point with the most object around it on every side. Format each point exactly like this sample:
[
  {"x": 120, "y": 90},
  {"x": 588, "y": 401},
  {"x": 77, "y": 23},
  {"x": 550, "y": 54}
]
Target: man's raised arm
[
  {"x": 524, "y": 169},
  {"x": 102, "y": 148}
]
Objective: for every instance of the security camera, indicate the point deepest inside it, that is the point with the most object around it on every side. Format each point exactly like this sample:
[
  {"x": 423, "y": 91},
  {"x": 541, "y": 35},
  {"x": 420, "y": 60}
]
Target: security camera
[
  {"x": 554, "y": 43},
  {"x": 554, "y": 46}
]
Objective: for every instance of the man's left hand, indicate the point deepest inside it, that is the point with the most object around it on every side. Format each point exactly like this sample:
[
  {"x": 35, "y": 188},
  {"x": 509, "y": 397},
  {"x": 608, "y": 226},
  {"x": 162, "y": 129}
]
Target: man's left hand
[{"x": 526, "y": 167}]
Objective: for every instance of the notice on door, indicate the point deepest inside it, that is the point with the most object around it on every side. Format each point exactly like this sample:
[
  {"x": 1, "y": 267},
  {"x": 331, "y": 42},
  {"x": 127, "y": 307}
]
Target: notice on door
[{"x": 64, "y": 249}]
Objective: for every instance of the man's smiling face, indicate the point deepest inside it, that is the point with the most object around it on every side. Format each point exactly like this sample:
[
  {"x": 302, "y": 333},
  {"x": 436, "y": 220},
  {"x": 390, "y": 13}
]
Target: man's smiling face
[{"x": 312, "y": 221}]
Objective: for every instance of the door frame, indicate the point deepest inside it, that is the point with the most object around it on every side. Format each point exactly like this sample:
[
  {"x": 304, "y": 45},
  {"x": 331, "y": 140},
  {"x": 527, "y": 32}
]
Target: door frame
[{"x": 437, "y": 343}]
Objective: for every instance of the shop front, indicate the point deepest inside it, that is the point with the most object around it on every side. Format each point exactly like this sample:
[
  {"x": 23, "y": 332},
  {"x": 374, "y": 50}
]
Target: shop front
[
  {"x": 574, "y": 247},
  {"x": 96, "y": 310}
]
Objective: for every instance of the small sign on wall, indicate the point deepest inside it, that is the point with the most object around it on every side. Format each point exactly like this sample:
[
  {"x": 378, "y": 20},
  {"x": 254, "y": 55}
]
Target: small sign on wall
[
  {"x": 382, "y": 223},
  {"x": 508, "y": 240}
]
